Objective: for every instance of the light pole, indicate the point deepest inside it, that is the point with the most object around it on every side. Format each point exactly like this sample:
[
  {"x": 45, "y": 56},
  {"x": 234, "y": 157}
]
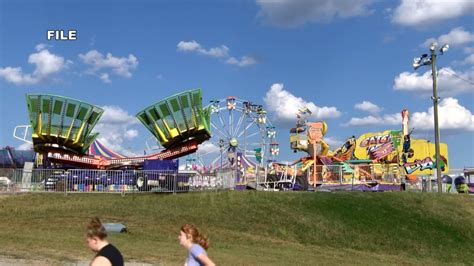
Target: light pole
[
  {"x": 221, "y": 146},
  {"x": 425, "y": 60}
]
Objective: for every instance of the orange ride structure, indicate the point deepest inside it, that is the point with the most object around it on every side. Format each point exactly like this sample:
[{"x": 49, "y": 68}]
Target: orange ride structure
[{"x": 62, "y": 130}]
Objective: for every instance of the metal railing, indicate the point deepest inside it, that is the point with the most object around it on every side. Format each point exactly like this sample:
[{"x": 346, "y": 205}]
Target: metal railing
[
  {"x": 334, "y": 177},
  {"x": 114, "y": 181}
]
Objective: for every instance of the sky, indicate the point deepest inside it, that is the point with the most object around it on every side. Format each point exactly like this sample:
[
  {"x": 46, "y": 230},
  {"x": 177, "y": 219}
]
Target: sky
[{"x": 349, "y": 62}]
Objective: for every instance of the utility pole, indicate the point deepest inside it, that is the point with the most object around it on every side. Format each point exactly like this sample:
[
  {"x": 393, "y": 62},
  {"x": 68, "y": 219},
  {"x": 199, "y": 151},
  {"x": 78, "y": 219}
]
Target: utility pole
[
  {"x": 435, "y": 111},
  {"x": 422, "y": 61}
]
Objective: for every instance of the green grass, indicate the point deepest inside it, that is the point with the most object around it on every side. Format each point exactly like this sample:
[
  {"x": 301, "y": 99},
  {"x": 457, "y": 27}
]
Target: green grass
[{"x": 248, "y": 228}]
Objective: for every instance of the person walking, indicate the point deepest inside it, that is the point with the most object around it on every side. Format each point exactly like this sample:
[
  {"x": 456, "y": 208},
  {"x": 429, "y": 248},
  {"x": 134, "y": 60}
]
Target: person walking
[
  {"x": 106, "y": 253},
  {"x": 196, "y": 244},
  {"x": 448, "y": 181},
  {"x": 460, "y": 183}
]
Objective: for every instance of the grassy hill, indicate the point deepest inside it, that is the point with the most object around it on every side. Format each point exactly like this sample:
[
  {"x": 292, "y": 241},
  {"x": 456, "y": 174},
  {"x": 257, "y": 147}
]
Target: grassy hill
[{"x": 248, "y": 228}]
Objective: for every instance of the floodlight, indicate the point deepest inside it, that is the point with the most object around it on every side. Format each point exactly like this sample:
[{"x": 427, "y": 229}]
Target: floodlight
[
  {"x": 433, "y": 46},
  {"x": 444, "y": 48},
  {"x": 427, "y": 61},
  {"x": 416, "y": 63}
]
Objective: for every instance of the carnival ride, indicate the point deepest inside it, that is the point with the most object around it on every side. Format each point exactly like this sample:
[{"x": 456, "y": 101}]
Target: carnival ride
[
  {"x": 243, "y": 139},
  {"x": 62, "y": 130},
  {"x": 178, "y": 119},
  {"x": 243, "y": 142},
  {"x": 374, "y": 161}
]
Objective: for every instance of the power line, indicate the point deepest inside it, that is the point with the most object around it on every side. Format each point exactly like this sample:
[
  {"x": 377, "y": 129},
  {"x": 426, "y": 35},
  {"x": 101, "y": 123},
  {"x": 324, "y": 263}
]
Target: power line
[{"x": 457, "y": 76}]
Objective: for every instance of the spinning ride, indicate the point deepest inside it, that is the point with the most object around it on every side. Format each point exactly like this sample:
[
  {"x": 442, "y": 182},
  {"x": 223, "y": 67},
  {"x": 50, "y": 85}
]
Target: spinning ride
[{"x": 62, "y": 130}]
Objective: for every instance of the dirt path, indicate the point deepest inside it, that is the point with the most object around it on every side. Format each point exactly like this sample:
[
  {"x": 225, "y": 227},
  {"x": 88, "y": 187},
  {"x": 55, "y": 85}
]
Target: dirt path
[
  {"x": 4, "y": 261},
  {"x": 7, "y": 261}
]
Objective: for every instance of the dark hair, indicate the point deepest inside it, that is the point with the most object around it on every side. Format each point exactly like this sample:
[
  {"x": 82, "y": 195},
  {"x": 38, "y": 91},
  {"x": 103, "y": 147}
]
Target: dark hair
[
  {"x": 196, "y": 236},
  {"x": 96, "y": 229}
]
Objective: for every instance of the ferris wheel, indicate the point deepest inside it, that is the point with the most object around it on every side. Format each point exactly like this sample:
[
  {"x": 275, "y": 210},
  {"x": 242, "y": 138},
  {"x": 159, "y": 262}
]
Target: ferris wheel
[{"x": 242, "y": 137}]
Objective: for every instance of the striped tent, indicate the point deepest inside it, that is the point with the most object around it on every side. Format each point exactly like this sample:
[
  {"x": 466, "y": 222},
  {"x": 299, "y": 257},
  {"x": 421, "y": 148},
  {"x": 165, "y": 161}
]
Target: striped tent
[{"x": 99, "y": 149}]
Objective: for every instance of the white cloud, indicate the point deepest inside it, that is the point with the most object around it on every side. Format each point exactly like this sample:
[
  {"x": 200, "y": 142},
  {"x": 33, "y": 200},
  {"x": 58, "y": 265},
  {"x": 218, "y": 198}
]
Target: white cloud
[
  {"x": 207, "y": 147},
  {"x": 116, "y": 115},
  {"x": 425, "y": 13},
  {"x": 368, "y": 107},
  {"x": 333, "y": 142},
  {"x": 131, "y": 133},
  {"x": 244, "y": 61},
  {"x": 189, "y": 46},
  {"x": 193, "y": 46},
  {"x": 115, "y": 128},
  {"x": 218, "y": 52},
  {"x": 25, "y": 146},
  {"x": 105, "y": 78},
  {"x": 456, "y": 37},
  {"x": 284, "y": 105},
  {"x": 450, "y": 82},
  {"x": 15, "y": 75},
  {"x": 468, "y": 50},
  {"x": 468, "y": 60},
  {"x": 291, "y": 13},
  {"x": 413, "y": 81},
  {"x": 46, "y": 64},
  {"x": 222, "y": 51},
  {"x": 371, "y": 120},
  {"x": 451, "y": 117},
  {"x": 42, "y": 46},
  {"x": 120, "y": 66}
]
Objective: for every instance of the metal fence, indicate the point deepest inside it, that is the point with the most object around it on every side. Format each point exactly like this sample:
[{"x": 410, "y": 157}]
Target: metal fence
[
  {"x": 331, "y": 175},
  {"x": 113, "y": 181},
  {"x": 424, "y": 183},
  {"x": 138, "y": 181}
]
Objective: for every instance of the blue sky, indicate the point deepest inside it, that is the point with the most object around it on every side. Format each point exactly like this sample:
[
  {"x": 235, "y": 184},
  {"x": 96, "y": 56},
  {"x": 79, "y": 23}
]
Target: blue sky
[{"x": 348, "y": 61}]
